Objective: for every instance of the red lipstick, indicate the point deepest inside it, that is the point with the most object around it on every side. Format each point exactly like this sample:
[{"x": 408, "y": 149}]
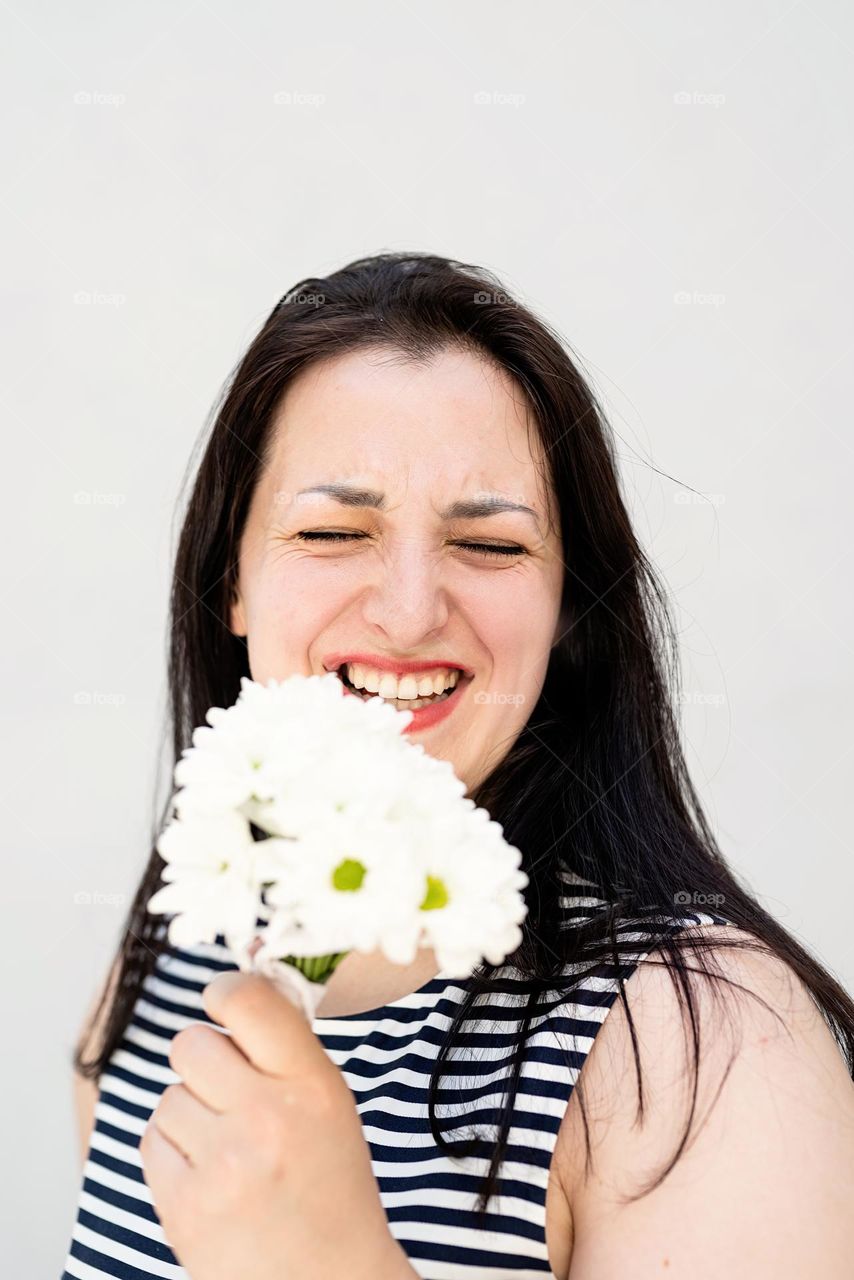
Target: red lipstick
[
  {"x": 396, "y": 666},
  {"x": 423, "y": 717}
]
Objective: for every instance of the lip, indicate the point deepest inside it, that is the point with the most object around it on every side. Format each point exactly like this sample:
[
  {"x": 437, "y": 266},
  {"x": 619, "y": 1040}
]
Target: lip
[
  {"x": 396, "y": 666},
  {"x": 426, "y": 717}
]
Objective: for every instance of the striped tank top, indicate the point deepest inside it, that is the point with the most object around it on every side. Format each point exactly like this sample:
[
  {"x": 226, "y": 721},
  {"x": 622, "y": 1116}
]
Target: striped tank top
[{"x": 386, "y": 1056}]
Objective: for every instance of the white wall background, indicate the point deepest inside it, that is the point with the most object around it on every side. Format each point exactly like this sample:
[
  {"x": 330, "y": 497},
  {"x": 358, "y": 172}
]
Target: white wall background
[{"x": 668, "y": 183}]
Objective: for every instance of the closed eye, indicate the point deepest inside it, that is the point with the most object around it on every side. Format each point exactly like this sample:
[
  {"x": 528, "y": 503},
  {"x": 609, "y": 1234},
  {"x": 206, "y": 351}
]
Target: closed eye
[
  {"x": 487, "y": 549},
  {"x": 482, "y": 548}
]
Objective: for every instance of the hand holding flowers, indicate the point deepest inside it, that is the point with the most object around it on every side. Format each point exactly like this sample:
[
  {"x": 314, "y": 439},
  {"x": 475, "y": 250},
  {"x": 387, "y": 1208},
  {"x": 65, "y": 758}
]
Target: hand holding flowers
[{"x": 307, "y": 826}]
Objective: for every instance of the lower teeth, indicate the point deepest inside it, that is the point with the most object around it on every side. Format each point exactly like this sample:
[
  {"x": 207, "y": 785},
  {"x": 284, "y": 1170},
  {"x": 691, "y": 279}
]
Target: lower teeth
[{"x": 403, "y": 704}]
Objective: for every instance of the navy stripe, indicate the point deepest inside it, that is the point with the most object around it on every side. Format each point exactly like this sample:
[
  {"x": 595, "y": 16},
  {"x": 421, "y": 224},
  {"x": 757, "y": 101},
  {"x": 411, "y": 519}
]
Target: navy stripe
[
  {"x": 103, "y": 1263},
  {"x": 128, "y": 1204},
  {"x": 122, "y": 1104},
  {"x": 129, "y": 1239},
  {"x": 440, "y": 1217},
  {"x": 387, "y": 1056},
  {"x": 474, "y": 1257}
]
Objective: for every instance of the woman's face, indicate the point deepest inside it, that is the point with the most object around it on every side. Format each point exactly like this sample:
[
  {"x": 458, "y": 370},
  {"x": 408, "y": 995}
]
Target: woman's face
[{"x": 411, "y": 582}]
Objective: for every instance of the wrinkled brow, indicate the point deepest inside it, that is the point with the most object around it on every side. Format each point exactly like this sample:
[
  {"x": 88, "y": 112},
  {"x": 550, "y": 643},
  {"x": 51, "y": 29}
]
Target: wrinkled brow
[{"x": 463, "y": 509}]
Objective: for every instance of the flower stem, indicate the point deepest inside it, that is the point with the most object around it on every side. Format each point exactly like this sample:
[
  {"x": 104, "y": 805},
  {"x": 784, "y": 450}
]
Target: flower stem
[{"x": 316, "y": 968}]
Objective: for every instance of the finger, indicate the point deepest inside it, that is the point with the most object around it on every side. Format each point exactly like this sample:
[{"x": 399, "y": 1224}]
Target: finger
[
  {"x": 186, "y": 1122},
  {"x": 165, "y": 1168},
  {"x": 211, "y": 1066},
  {"x": 268, "y": 1027}
]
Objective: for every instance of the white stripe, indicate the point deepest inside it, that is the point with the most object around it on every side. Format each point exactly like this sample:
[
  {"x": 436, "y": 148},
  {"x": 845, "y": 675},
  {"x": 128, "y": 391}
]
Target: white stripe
[
  {"x": 122, "y": 1089},
  {"x": 360, "y": 1049},
  {"x": 192, "y": 972},
  {"x": 163, "y": 1017},
  {"x": 452, "y": 1270},
  {"x": 121, "y": 1218},
  {"x": 490, "y": 1241},
  {"x": 143, "y": 1068},
  {"x": 118, "y": 1151},
  {"x": 119, "y": 1119},
  {"x": 81, "y": 1270},
  {"x": 113, "y": 1181},
  {"x": 191, "y": 1000},
  {"x": 121, "y": 1252},
  {"x": 512, "y": 1206}
]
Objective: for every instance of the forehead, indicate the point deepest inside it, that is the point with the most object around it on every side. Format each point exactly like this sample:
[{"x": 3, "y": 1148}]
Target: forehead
[{"x": 452, "y": 425}]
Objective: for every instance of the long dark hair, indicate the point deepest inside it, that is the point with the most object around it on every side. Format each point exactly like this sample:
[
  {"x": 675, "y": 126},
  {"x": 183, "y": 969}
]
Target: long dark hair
[{"x": 595, "y": 786}]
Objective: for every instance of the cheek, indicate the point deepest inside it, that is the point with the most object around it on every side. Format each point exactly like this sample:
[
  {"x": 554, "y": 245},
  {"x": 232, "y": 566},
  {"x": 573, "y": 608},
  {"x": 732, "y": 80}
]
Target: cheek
[
  {"x": 516, "y": 631},
  {"x": 288, "y": 610},
  {"x": 516, "y": 626}
]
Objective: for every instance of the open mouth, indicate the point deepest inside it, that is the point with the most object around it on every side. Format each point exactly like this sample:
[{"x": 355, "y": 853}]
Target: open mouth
[{"x": 405, "y": 704}]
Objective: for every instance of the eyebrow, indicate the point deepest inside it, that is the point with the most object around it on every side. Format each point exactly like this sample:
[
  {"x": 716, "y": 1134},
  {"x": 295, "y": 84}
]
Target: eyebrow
[{"x": 464, "y": 509}]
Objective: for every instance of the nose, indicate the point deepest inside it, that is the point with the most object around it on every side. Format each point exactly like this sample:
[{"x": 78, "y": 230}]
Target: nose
[{"x": 407, "y": 599}]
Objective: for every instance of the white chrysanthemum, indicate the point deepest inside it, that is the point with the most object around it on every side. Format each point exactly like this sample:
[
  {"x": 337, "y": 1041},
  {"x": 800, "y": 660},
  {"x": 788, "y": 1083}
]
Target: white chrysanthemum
[
  {"x": 371, "y": 842},
  {"x": 338, "y": 885},
  {"x": 260, "y": 753},
  {"x": 473, "y": 906},
  {"x": 249, "y": 750},
  {"x": 213, "y": 873},
  {"x": 373, "y": 780}
]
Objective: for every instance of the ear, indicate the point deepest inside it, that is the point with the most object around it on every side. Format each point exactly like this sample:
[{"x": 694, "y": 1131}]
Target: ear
[
  {"x": 564, "y": 622},
  {"x": 237, "y": 616}
]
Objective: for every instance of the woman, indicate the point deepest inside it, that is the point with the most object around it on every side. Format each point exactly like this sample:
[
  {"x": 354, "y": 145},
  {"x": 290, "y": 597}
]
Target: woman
[{"x": 408, "y": 474}]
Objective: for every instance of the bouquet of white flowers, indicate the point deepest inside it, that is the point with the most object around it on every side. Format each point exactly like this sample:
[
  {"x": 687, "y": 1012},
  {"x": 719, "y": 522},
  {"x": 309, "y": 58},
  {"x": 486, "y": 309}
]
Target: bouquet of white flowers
[{"x": 310, "y": 811}]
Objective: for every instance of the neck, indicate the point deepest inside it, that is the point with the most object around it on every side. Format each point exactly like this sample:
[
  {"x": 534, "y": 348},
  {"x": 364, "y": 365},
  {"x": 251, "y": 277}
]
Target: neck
[{"x": 367, "y": 980}]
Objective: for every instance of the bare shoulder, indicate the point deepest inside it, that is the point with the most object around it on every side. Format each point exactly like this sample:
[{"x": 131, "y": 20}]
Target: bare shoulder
[{"x": 763, "y": 1186}]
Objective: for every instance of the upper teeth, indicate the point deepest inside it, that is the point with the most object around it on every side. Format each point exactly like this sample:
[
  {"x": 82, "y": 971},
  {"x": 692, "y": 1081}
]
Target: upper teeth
[{"x": 391, "y": 686}]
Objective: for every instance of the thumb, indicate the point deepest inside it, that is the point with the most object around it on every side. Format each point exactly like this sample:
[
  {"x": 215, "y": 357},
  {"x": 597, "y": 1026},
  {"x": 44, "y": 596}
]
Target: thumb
[{"x": 265, "y": 1025}]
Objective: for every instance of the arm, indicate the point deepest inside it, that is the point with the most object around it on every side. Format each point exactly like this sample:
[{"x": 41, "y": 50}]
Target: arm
[
  {"x": 85, "y": 1098},
  {"x": 85, "y": 1092},
  {"x": 764, "y": 1187}
]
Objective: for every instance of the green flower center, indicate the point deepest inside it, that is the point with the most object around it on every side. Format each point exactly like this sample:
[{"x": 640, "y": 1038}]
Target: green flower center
[
  {"x": 436, "y": 896},
  {"x": 348, "y": 875}
]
